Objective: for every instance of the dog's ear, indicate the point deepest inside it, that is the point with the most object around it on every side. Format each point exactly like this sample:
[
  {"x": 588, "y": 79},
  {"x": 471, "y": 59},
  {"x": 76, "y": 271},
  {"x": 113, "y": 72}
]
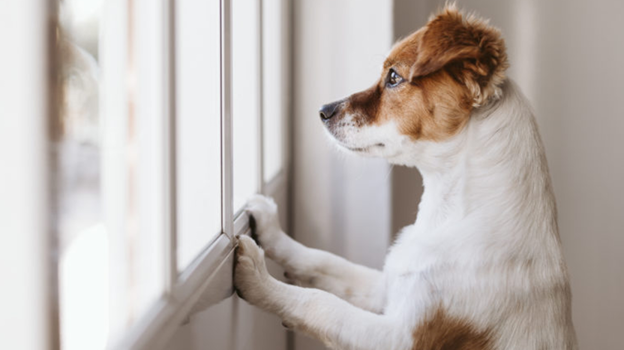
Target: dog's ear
[{"x": 472, "y": 51}]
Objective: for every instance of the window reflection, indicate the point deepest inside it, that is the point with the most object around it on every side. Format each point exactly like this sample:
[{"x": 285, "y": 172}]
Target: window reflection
[
  {"x": 108, "y": 172},
  {"x": 83, "y": 238}
]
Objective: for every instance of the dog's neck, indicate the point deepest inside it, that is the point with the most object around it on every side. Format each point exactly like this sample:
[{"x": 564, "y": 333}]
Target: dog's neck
[{"x": 494, "y": 169}]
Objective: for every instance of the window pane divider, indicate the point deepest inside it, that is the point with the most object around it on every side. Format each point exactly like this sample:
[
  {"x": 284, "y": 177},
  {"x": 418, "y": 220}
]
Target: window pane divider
[
  {"x": 170, "y": 217},
  {"x": 260, "y": 141},
  {"x": 226, "y": 122}
]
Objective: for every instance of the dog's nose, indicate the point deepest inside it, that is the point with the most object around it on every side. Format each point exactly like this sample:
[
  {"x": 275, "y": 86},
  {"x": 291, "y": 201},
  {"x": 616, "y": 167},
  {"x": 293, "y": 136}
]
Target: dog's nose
[{"x": 329, "y": 110}]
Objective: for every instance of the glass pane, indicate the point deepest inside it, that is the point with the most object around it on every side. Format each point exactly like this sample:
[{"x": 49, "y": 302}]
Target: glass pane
[
  {"x": 83, "y": 235},
  {"x": 273, "y": 83},
  {"x": 108, "y": 169},
  {"x": 246, "y": 98},
  {"x": 198, "y": 127},
  {"x": 147, "y": 132}
]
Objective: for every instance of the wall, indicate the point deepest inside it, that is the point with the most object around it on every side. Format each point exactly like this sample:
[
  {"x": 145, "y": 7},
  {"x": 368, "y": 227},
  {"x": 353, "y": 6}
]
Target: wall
[
  {"x": 341, "y": 203},
  {"x": 567, "y": 57},
  {"x": 408, "y": 16}
]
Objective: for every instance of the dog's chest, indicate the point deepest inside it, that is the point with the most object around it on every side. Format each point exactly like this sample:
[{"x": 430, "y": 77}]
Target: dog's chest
[
  {"x": 410, "y": 271},
  {"x": 419, "y": 266},
  {"x": 422, "y": 273},
  {"x": 412, "y": 253}
]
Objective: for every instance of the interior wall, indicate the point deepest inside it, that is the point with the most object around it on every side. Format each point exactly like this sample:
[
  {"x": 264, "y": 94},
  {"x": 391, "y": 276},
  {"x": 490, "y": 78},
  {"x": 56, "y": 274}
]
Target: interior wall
[
  {"x": 567, "y": 58},
  {"x": 341, "y": 203},
  {"x": 407, "y": 16}
]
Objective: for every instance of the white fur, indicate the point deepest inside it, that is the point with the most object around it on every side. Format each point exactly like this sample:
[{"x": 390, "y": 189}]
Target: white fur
[{"x": 485, "y": 246}]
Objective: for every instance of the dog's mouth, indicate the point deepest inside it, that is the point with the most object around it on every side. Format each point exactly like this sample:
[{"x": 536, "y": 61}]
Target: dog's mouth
[{"x": 365, "y": 149}]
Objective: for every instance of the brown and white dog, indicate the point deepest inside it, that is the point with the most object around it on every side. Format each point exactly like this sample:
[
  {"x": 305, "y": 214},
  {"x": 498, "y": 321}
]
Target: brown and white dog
[{"x": 482, "y": 267}]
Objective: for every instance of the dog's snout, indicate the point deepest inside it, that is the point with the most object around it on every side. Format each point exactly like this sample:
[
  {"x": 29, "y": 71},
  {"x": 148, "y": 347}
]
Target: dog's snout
[{"x": 329, "y": 110}]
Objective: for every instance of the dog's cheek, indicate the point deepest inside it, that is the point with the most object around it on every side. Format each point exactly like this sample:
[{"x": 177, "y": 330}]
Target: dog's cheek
[
  {"x": 410, "y": 112},
  {"x": 437, "y": 111}
]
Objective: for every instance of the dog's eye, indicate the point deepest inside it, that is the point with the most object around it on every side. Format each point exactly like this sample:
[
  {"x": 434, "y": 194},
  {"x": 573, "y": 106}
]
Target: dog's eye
[{"x": 393, "y": 79}]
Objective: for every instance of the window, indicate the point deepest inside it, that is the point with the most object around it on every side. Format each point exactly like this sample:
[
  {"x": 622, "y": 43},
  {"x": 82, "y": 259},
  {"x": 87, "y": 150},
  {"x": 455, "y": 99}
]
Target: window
[
  {"x": 275, "y": 105},
  {"x": 109, "y": 170},
  {"x": 246, "y": 96},
  {"x": 171, "y": 117},
  {"x": 197, "y": 126}
]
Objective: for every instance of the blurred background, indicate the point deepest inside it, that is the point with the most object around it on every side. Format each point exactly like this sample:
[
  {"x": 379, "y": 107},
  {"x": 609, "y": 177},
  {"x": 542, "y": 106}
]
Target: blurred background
[{"x": 121, "y": 186}]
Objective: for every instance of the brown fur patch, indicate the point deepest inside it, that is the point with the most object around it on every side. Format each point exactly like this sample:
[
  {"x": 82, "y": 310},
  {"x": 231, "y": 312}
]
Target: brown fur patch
[
  {"x": 365, "y": 105},
  {"x": 436, "y": 108},
  {"x": 443, "y": 332},
  {"x": 470, "y": 49},
  {"x": 450, "y": 66}
]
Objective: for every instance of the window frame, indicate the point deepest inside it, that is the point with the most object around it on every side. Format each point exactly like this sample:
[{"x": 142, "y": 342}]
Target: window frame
[
  {"x": 27, "y": 105},
  {"x": 207, "y": 280}
]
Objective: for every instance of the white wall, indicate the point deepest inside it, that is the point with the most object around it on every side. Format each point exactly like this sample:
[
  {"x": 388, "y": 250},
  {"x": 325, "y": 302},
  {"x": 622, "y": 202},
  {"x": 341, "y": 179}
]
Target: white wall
[
  {"x": 336, "y": 194},
  {"x": 26, "y": 264},
  {"x": 340, "y": 204},
  {"x": 567, "y": 56}
]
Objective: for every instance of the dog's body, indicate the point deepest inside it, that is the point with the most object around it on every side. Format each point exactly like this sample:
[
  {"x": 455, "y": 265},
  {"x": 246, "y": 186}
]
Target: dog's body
[{"x": 482, "y": 267}]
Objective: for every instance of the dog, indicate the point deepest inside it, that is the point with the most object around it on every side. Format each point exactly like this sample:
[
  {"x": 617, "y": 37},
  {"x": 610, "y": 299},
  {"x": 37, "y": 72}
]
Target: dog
[{"x": 482, "y": 267}]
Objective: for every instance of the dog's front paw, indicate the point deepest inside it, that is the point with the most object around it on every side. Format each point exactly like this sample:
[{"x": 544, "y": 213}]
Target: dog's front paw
[
  {"x": 266, "y": 227},
  {"x": 251, "y": 278}
]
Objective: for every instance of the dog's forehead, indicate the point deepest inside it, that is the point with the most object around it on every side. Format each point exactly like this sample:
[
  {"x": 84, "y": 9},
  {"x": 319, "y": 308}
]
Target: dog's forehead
[{"x": 405, "y": 51}]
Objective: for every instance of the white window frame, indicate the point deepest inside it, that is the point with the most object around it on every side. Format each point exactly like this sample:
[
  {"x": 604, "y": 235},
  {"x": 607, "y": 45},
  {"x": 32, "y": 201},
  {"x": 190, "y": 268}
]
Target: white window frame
[{"x": 29, "y": 315}]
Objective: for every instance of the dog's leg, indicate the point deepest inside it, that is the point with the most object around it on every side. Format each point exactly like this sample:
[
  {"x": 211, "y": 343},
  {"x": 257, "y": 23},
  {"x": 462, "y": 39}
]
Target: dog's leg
[
  {"x": 319, "y": 314},
  {"x": 359, "y": 285}
]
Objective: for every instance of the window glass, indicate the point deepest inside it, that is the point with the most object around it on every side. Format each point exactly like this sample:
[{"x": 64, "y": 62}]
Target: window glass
[
  {"x": 273, "y": 93},
  {"x": 147, "y": 90},
  {"x": 245, "y": 99},
  {"x": 83, "y": 235},
  {"x": 107, "y": 184},
  {"x": 110, "y": 142},
  {"x": 198, "y": 127}
]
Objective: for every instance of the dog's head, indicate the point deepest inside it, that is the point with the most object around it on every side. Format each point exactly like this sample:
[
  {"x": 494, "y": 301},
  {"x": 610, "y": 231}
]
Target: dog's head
[{"x": 429, "y": 86}]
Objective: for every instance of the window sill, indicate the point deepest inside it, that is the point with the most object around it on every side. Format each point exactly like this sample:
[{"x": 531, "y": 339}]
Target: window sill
[{"x": 207, "y": 281}]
